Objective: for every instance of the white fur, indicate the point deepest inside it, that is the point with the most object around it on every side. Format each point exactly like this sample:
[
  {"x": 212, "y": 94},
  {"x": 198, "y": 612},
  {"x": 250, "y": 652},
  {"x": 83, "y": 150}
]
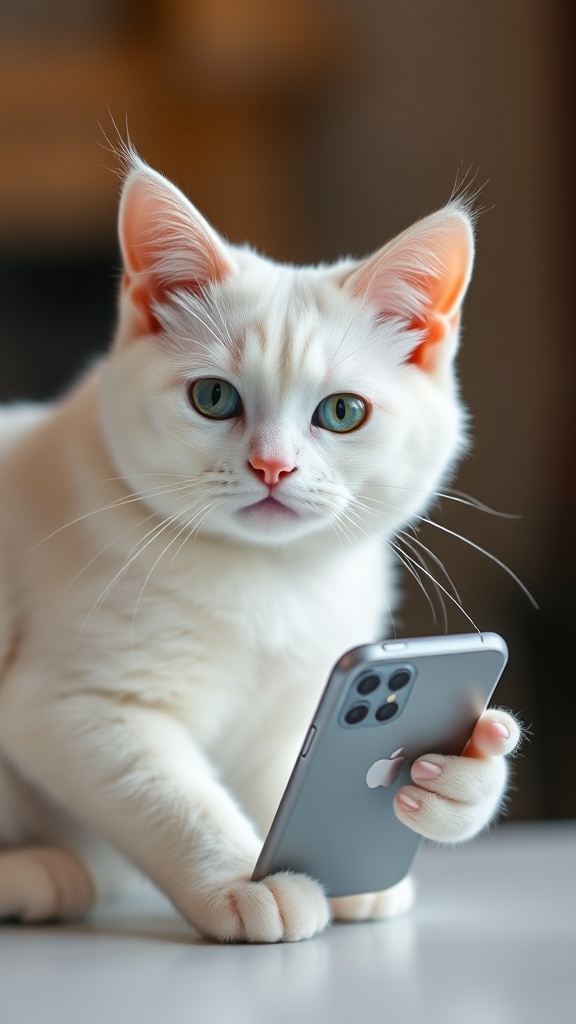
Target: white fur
[{"x": 161, "y": 650}]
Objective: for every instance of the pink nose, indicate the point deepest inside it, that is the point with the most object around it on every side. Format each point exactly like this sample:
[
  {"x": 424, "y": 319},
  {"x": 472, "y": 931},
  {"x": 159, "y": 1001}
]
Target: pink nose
[{"x": 270, "y": 470}]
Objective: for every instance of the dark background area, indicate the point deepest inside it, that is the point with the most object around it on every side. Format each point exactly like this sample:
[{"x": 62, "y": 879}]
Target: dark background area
[{"x": 315, "y": 128}]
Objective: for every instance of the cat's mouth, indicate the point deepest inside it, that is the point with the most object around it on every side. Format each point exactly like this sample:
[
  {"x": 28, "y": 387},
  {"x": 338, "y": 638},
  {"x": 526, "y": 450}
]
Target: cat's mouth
[{"x": 269, "y": 508}]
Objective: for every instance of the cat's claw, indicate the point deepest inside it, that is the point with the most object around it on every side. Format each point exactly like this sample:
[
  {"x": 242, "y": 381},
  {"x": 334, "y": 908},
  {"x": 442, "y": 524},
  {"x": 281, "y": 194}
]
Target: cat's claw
[
  {"x": 284, "y": 907},
  {"x": 453, "y": 798}
]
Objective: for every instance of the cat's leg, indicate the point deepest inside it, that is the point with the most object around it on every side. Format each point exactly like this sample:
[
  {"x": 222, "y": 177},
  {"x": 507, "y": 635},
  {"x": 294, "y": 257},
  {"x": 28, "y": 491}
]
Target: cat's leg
[
  {"x": 261, "y": 794},
  {"x": 40, "y": 877},
  {"x": 453, "y": 798},
  {"x": 261, "y": 778},
  {"x": 43, "y": 883},
  {"x": 50, "y": 866},
  {"x": 140, "y": 781}
]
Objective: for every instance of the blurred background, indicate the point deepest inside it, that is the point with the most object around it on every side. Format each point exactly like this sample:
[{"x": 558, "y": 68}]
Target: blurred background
[{"x": 313, "y": 129}]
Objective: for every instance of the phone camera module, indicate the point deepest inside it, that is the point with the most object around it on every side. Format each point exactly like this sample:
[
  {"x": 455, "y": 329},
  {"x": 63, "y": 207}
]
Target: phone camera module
[
  {"x": 357, "y": 713},
  {"x": 399, "y": 679},
  {"x": 386, "y": 712},
  {"x": 368, "y": 684}
]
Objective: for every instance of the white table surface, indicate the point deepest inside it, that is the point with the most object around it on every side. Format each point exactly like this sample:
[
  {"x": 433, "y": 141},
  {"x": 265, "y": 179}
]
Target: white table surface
[{"x": 492, "y": 940}]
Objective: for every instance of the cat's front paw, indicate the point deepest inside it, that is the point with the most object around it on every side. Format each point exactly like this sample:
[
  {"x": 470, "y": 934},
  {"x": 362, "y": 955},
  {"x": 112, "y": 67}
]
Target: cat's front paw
[
  {"x": 453, "y": 798},
  {"x": 371, "y": 906},
  {"x": 284, "y": 907}
]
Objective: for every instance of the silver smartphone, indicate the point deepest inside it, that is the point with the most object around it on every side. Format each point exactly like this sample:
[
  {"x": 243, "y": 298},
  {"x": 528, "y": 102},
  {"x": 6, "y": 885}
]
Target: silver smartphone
[{"x": 384, "y": 706}]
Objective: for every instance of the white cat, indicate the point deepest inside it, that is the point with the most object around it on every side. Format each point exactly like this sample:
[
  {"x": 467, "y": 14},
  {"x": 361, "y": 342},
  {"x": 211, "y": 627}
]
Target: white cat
[{"x": 191, "y": 538}]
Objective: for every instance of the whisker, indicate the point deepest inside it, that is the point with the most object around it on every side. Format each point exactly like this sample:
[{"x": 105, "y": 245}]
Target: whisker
[
  {"x": 465, "y": 540},
  {"x": 348, "y": 513},
  {"x": 421, "y": 559},
  {"x": 160, "y": 556},
  {"x": 460, "y": 497},
  {"x": 493, "y": 558},
  {"x": 198, "y": 496},
  {"x": 137, "y": 550},
  {"x": 111, "y": 543},
  {"x": 418, "y": 566},
  {"x": 136, "y": 476},
  {"x": 468, "y": 499},
  {"x": 351, "y": 510},
  {"x": 447, "y": 593},
  {"x": 115, "y": 539},
  {"x": 118, "y": 503},
  {"x": 411, "y": 567},
  {"x": 340, "y": 528},
  {"x": 406, "y": 562},
  {"x": 194, "y": 532},
  {"x": 121, "y": 572},
  {"x": 414, "y": 539},
  {"x": 200, "y": 524}
]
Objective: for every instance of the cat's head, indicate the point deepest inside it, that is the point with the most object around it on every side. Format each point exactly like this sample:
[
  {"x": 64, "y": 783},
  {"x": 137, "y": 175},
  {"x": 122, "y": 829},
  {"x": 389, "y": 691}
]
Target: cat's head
[{"x": 268, "y": 403}]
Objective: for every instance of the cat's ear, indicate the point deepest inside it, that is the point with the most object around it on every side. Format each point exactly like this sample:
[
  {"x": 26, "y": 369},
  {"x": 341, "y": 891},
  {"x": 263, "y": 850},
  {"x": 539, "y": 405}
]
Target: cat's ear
[
  {"x": 166, "y": 245},
  {"x": 419, "y": 280}
]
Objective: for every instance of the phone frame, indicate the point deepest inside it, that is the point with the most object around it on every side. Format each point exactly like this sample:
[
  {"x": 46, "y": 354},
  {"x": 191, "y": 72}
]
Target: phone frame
[{"x": 330, "y": 822}]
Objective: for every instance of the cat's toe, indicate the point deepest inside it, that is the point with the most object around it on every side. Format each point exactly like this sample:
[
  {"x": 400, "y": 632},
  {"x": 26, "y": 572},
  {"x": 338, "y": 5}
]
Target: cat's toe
[
  {"x": 464, "y": 780},
  {"x": 457, "y": 803},
  {"x": 284, "y": 907},
  {"x": 370, "y": 906},
  {"x": 496, "y": 733}
]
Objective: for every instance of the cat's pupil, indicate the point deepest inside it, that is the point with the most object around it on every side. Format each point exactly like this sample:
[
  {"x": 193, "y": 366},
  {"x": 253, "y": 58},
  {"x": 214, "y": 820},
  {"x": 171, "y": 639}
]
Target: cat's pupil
[
  {"x": 216, "y": 393},
  {"x": 340, "y": 408}
]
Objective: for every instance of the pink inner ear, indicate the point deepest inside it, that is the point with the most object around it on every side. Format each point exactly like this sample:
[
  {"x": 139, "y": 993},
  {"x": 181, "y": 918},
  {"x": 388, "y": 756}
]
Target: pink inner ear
[
  {"x": 166, "y": 246},
  {"x": 441, "y": 315},
  {"x": 142, "y": 297},
  {"x": 425, "y": 354},
  {"x": 420, "y": 278}
]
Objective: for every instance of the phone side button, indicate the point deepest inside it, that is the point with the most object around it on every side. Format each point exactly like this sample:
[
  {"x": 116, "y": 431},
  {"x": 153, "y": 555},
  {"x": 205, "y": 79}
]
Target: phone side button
[{"x": 308, "y": 741}]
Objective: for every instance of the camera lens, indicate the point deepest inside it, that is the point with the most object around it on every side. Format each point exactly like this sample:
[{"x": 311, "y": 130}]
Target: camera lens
[
  {"x": 399, "y": 679},
  {"x": 357, "y": 713},
  {"x": 368, "y": 684},
  {"x": 386, "y": 711}
]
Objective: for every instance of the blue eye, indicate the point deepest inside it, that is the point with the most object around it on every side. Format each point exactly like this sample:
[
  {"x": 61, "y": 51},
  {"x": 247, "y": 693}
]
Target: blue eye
[
  {"x": 340, "y": 413},
  {"x": 215, "y": 398}
]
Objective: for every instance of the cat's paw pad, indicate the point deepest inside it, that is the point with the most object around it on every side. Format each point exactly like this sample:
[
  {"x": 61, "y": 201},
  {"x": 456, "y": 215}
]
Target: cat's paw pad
[
  {"x": 284, "y": 907},
  {"x": 371, "y": 906}
]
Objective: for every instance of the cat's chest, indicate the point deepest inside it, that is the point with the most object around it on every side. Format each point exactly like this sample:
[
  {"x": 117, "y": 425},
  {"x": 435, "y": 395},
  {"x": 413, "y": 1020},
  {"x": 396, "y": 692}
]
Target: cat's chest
[
  {"x": 246, "y": 622},
  {"x": 217, "y": 638},
  {"x": 225, "y": 602}
]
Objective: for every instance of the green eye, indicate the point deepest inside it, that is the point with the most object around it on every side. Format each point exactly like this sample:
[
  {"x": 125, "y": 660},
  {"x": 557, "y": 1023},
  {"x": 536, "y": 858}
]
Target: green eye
[
  {"x": 340, "y": 413},
  {"x": 215, "y": 398}
]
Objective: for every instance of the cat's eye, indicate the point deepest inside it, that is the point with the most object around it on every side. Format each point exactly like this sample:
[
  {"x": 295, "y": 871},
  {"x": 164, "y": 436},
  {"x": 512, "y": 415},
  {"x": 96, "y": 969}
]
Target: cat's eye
[
  {"x": 215, "y": 398},
  {"x": 340, "y": 413}
]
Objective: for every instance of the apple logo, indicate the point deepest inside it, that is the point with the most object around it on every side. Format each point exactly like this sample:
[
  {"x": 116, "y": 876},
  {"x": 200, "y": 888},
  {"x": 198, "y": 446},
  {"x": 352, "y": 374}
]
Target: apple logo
[{"x": 385, "y": 772}]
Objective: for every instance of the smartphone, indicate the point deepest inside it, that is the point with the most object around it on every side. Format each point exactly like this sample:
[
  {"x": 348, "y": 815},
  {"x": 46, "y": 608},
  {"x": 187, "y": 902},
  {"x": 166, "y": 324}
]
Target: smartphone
[{"x": 384, "y": 705}]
